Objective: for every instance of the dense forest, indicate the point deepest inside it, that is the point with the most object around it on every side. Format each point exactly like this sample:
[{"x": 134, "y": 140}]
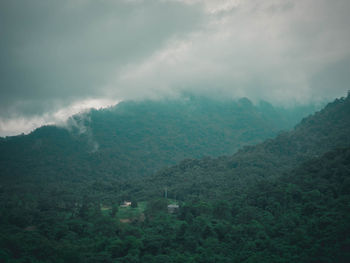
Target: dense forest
[
  {"x": 311, "y": 138},
  {"x": 137, "y": 138},
  {"x": 282, "y": 200}
]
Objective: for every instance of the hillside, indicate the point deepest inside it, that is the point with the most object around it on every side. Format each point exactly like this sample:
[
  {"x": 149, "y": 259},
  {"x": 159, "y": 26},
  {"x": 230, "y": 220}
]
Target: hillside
[
  {"x": 221, "y": 177},
  {"x": 283, "y": 200},
  {"x": 135, "y": 139}
]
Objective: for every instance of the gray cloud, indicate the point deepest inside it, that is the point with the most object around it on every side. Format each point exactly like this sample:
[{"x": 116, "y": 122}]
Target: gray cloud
[
  {"x": 54, "y": 54},
  {"x": 270, "y": 50},
  {"x": 61, "y": 51}
]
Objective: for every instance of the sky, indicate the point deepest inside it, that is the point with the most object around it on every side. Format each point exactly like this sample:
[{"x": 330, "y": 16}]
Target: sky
[{"x": 58, "y": 58}]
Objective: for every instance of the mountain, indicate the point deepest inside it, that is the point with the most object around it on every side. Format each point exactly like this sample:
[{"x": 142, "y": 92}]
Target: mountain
[
  {"x": 135, "y": 139},
  {"x": 283, "y": 200},
  {"x": 312, "y": 137}
]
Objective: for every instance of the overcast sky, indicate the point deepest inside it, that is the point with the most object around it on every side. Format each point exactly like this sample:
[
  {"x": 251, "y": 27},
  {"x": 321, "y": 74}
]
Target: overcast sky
[{"x": 59, "y": 57}]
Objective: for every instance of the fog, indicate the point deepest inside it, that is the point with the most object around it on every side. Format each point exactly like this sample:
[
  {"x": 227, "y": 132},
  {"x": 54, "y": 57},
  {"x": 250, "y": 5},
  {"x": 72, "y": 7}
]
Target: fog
[{"x": 61, "y": 57}]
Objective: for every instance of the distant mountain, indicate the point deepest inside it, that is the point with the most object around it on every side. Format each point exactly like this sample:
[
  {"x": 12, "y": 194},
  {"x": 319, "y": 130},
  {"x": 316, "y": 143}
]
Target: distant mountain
[
  {"x": 138, "y": 138},
  {"x": 220, "y": 178}
]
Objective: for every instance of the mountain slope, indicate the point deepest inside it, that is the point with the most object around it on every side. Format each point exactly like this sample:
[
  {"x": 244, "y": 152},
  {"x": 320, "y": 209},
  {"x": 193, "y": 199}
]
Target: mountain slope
[
  {"x": 138, "y": 138},
  {"x": 302, "y": 216},
  {"x": 284, "y": 200},
  {"x": 314, "y": 136}
]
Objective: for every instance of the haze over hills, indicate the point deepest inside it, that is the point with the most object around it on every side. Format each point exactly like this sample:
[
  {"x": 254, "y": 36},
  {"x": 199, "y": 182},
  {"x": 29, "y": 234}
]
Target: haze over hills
[
  {"x": 138, "y": 138},
  {"x": 315, "y": 135},
  {"x": 282, "y": 200},
  {"x": 191, "y": 165}
]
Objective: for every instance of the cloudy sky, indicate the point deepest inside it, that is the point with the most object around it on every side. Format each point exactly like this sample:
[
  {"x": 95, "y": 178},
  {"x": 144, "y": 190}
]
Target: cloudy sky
[{"x": 58, "y": 57}]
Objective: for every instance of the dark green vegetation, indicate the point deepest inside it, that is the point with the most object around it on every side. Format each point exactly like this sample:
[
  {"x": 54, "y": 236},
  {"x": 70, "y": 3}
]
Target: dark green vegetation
[
  {"x": 137, "y": 138},
  {"x": 284, "y": 200},
  {"x": 221, "y": 177}
]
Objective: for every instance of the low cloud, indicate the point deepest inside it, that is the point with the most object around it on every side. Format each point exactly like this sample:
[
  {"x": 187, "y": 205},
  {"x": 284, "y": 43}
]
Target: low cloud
[
  {"x": 21, "y": 123},
  {"x": 55, "y": 54},
  {"x": 271, "y": 50},
  {"x": 81, "y": 125},
  {"x": 59, "y": 52}
]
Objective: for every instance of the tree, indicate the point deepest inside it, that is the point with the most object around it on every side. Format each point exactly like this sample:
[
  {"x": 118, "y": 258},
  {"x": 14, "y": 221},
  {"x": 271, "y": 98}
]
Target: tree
[
  {"x": 114, "y": 210},
  {"x": 133, "y": 203}
]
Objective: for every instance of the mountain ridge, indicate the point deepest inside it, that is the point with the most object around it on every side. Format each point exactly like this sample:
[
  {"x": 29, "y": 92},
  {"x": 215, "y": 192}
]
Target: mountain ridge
[
  {"x": 314, "y": 136},
  {"x": 283, "y": 200},
  {"x": 138, "y": 138}
]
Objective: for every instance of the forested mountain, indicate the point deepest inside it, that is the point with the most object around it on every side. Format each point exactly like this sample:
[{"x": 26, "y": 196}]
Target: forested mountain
[
  {"x": 138, "y": 138},
  {"x": 217, "y": 178},
  {"x": 283, "y": 200},
  {"x": 301, "y": 217}
]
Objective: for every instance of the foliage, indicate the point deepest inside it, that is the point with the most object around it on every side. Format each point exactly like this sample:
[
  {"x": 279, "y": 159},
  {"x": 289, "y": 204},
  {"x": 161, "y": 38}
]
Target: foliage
[
  {"x": 134, "y": 139},
  {"x": 284, "y": 200}
]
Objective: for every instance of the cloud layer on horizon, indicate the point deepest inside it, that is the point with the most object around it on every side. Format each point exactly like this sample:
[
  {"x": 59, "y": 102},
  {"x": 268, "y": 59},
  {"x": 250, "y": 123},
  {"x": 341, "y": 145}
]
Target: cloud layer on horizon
[{"x": 55, "y": 54}]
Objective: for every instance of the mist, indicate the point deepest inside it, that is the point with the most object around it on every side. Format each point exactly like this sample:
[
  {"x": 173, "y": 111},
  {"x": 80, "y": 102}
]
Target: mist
[{"x": 58, "y": 55}]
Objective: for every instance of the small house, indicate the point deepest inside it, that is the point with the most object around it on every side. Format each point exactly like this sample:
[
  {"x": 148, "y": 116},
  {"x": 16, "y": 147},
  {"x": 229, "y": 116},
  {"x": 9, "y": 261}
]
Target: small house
[
  {"x": 173, "y": 208},
  {"x": 125, "y": 204}
]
